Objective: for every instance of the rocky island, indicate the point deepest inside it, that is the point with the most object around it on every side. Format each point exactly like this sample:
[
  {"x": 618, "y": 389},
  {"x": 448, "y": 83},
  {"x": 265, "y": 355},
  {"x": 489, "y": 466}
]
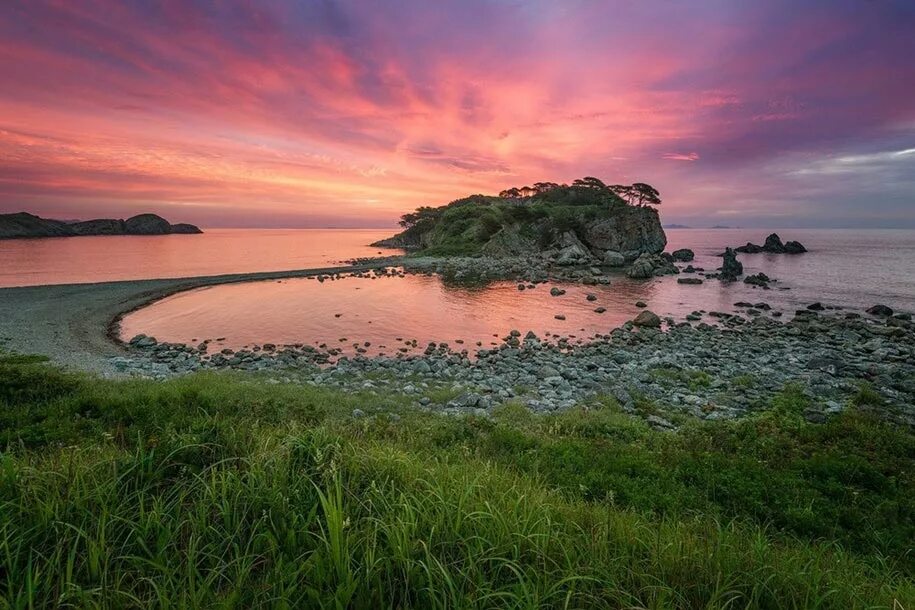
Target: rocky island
[
  {"x": 24, "y": 225},
  {"x": 586, "y": 222}
]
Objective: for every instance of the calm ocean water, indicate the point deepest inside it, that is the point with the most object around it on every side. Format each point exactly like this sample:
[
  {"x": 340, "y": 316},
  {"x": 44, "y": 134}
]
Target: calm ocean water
[
  {"x": 70, "y": 260},
  {"x": 847, "y": 268}
]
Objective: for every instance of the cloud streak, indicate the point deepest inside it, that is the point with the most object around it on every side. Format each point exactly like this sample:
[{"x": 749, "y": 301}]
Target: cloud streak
[{"x": 348, "y": 112}]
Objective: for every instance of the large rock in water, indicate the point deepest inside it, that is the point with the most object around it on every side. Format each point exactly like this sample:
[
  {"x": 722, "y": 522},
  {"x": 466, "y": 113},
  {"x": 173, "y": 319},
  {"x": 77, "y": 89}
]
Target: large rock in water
[
  {"x": 794, "y": 247},
  {"x": 147, "y": 224},
  {"x": 773, "y": 245},
  {"x": 651, "y": 265},
  {"x": 731, "y": 268},
  {"x": 683, "y": 255}
]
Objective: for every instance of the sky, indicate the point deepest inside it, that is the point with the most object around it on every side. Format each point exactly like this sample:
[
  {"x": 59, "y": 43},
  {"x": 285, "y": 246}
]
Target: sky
[{"x": 319, "y": 113}]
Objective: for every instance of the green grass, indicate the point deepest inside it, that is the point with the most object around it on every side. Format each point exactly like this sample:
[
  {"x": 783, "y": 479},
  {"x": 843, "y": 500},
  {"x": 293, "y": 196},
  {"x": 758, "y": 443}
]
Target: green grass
[{"x": 225, "y": 491}]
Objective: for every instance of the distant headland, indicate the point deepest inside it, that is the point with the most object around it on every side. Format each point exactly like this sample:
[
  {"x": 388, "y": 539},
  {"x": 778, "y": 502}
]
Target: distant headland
[{"x": 25, "y": 225}]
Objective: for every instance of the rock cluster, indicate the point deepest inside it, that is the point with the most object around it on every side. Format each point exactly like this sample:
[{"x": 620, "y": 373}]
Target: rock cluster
[
  {"x": 773, "y": 245},
  {"x": 652, "y": 265}
]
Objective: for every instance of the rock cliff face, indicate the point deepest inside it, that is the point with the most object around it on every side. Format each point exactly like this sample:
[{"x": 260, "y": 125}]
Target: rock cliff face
[
  {"x": 614, "y": 240},
  {"x": 22, "y": 224}
]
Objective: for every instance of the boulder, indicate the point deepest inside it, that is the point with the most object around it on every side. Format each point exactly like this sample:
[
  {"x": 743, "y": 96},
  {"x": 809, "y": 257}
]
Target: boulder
[
  {"x": 689, "y": 280},
  {"x": 648, "y": 265},
  {"x": 683, "y": 255},
  {"x": 614, "y": 258},
  {"x": 572, "y": 251},
  {"x": 647, "y": 319},
  {"x": 881, "y": 311},
  {"x": 642, "y": 268}
]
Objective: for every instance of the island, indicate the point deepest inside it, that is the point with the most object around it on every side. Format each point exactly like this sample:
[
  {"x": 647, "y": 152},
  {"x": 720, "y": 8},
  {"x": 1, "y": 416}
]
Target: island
[
  {"x": 587, "y": 222},
  {"x": 24, "y": 225}
]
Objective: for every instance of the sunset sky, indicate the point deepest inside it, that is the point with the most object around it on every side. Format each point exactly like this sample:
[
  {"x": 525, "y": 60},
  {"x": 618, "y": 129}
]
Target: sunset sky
[{"x": 775, "y": 113}]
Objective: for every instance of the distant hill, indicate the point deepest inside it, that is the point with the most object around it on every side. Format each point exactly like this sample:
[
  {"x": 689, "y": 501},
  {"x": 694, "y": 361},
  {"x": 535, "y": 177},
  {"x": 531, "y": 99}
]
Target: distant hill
[
  {"x": 676, "y": 226},
  {"x": 23, "y": 225},
  {"x": 585, "y": 221}
]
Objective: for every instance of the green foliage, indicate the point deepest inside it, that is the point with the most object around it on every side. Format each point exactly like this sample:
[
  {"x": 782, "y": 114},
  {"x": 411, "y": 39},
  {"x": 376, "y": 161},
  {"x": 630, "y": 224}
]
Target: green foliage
[
  {"x": 226, "y": 491},
  {"x": 463, "y": 226}
]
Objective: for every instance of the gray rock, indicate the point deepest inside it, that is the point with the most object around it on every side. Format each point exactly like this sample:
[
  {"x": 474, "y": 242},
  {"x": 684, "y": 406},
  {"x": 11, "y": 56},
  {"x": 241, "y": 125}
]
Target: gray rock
[{"x": 648, "y": 319}]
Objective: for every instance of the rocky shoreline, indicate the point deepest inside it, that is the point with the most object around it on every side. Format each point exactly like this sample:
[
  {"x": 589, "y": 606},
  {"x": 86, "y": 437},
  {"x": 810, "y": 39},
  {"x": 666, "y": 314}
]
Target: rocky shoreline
[
  {"x": 709, "y": 365},
  {"x": 691, "y": 369}
]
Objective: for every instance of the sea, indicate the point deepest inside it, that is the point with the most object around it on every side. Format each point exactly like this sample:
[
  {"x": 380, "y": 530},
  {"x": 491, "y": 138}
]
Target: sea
[{"x": 844, "y": 269}]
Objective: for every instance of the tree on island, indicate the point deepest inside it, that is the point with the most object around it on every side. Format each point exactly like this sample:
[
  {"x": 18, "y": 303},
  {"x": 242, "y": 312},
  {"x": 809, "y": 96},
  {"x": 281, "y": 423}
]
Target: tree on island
[
  {"x": 638, "y": 193},
  {"x": 422, "y": 219},
  {"x": 590, "y": 182},
  {"x": 622, "y": 191},
  {"x": 645, "y": 193}
]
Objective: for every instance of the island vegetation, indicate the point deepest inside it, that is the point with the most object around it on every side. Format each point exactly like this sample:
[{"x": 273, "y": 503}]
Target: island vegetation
[
  {"x": 223, "y": 490},
  {"x": 539, "y": 216}
]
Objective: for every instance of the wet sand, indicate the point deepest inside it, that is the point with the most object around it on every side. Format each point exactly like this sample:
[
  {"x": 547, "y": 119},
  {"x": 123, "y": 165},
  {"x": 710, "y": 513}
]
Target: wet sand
[{"x": 76, "y": 324}]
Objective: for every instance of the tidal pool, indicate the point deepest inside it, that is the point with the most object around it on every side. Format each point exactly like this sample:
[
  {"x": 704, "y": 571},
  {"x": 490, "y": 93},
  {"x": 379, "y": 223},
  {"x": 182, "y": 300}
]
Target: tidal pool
[{"x": 390, "y": 313}]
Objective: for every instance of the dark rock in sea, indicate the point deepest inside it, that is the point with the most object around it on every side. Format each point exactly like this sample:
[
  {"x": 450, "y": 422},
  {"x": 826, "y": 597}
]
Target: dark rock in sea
[
  {"x": 556, "y": 292},
  {"x": 641, "y": 304},
  {"x": 773, "y": 245},
  {"x": 591, "y": 297},
  {"x": 880, "y": 310},
  {"x": 559, "y": 316},
  {"x": 794, "y": 247},
  {"x": 731, "y": 268},
  {"x": 816, "y": 306},
  {"x": 758, "y": 279},
  {"x": 749, "y": 248},
  {"x": 651, "y": 265},
  {"x": 683, "y": 255},
  {"x": 689, "y": 280},
  {"x": 647, "y": 319}
]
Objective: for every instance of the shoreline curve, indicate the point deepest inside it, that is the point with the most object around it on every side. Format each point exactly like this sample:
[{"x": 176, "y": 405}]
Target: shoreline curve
[{"x": 77, "y": 325}]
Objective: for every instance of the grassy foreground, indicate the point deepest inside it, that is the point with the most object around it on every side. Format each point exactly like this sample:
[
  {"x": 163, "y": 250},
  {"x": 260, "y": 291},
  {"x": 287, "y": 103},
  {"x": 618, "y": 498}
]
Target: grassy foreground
[{"x": 227, "y": 491}]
